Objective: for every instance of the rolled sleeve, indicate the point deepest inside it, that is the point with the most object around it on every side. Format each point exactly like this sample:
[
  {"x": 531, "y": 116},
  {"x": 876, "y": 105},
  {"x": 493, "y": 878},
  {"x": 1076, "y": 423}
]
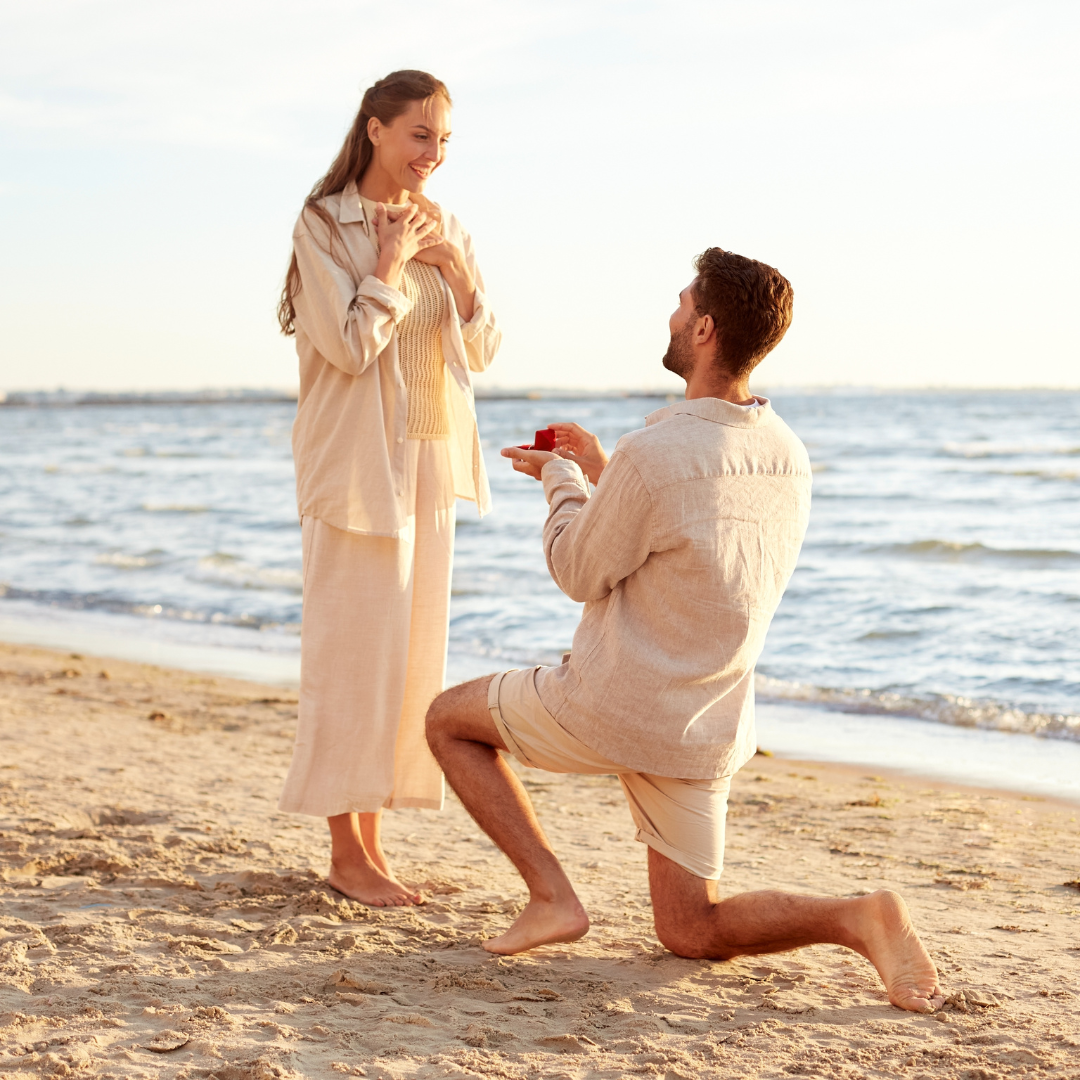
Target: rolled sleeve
[
  {"x": 475, "y": 326},
  {"x": 395, "y": 301},
  {"x": 592, "y": 542}
]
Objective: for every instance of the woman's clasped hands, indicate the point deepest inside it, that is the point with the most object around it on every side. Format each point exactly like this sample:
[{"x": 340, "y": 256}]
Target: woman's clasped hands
[
  {"x": 416, "y": 233},
  {"x": 403, "y": 235}
]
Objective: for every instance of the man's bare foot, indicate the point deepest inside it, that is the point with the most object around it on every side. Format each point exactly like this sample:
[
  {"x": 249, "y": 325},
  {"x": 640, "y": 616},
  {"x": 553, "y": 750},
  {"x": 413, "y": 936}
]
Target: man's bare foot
[
  {"x": 888, "y": 940},
  {"x": 368, "y": 885},
  {"x": 541, "y": 923}
]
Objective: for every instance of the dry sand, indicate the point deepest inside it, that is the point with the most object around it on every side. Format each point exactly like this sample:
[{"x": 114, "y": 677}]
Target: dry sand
[{"x": 160, "y": 918}]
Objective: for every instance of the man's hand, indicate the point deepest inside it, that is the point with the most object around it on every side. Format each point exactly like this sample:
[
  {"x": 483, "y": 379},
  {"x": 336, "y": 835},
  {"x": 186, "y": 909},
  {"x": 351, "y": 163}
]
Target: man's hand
[
  {"x": 574, "y": 443},
  {"x": 529, "y": 462}
]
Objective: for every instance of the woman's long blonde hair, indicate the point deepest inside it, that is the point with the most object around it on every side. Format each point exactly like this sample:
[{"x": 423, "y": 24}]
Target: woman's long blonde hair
[{"x": 386, "y": 101}]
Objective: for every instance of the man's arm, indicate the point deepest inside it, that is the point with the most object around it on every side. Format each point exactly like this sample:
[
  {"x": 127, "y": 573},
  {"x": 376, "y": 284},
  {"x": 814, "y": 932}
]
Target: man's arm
[{"x": 592, "y": 542}]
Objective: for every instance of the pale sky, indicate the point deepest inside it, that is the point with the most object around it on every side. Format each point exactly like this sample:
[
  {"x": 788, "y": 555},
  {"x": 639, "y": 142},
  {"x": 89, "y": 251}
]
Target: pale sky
[{"x": 911, "y": 167}]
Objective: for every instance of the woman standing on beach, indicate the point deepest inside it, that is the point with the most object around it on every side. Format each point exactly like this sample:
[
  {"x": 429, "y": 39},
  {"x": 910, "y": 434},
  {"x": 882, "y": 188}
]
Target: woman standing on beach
[{"x": 385, "y": 299}]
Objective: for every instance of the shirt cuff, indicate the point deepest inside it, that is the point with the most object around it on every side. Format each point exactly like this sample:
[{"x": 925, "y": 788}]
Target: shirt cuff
[
  {"x": 395, "y": 301},
  {"x": 559, "y": 472},
  {"x": 481, "y": 313}
]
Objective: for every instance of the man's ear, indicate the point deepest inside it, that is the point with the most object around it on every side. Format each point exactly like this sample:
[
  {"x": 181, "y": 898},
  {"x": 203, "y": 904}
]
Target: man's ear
[{"x": 705, "y": 331}]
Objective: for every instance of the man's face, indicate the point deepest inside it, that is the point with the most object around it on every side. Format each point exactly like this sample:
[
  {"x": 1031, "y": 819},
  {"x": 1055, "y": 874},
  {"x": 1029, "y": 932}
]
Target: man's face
[{"x": 679, "y": 357}]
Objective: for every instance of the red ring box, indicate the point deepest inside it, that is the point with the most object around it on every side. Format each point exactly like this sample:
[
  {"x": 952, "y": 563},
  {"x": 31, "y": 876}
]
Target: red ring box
[{"x": 544, "y": 440}]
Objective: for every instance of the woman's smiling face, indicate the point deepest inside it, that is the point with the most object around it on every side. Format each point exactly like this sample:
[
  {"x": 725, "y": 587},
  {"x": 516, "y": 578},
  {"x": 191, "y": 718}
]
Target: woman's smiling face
[{"x": 410, "y": 148}]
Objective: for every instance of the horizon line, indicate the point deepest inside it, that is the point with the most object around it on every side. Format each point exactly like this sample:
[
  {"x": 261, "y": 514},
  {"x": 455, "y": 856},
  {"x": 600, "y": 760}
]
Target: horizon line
[{"x": 267, "y": 394}]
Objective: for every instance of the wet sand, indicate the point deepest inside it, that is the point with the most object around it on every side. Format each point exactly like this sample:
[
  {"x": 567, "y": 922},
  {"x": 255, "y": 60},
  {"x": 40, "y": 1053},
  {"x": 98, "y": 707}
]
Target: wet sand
[{"x": 160, "y": 918}]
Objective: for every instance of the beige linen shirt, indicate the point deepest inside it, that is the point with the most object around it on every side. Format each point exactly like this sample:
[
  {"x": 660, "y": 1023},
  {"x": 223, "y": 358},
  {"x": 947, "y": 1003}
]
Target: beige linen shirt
[
  {"x": 350, "y": 429},
  {"x": 680, "y": 556}
]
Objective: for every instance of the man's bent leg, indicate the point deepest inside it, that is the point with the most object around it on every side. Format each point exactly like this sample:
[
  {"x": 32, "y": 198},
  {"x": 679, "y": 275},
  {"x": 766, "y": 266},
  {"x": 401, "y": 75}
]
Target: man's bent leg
[
  {"x": 691, "y": 922},
  {"x": 465, "y": 741}
]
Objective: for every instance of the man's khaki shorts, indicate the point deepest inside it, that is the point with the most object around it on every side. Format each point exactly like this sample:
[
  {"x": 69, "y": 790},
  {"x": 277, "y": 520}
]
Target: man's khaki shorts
[{"x": 682, "y": 819}]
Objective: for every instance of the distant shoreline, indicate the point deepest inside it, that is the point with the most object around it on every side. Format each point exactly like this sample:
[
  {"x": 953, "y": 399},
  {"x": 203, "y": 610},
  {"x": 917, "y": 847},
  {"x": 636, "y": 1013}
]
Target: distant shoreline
[{"x": 61, "y": 399}]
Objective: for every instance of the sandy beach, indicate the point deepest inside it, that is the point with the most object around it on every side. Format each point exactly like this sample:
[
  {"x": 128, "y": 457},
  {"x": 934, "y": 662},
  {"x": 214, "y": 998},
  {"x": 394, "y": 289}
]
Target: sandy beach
[{"x": 160, "y": 918}]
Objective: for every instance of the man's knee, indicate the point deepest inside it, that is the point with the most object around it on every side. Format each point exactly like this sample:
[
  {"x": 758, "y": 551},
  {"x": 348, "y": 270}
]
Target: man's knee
[
  {"x": 684, "y": 911},
  {"x": 690, "y": 933},
  {"x": 461, "y": 713},
  {"x": 437, "y": 723},
  {"x": 682, "y": 925}
]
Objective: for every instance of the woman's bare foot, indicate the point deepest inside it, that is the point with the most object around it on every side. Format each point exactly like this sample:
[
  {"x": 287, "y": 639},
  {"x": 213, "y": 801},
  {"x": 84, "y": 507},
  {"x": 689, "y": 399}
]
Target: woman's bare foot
[
  {"x": 379, "y": 861},
  {"x": 358, "y": 867},
  {"x": 370, "y": 828},
  {"x": 542, "y": 923},
  {"x": 889, "y": 942},
  {"x": 367, "y": 884}
]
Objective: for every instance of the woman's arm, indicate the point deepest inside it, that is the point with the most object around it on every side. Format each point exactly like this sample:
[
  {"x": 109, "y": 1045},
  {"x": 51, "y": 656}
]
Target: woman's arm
[
  {"x": 479, "y": 330},
  {"x": 349, "y": 324},
  {"x": 460, "y": 279},
  {"x": 450, "y": 259},
  {"x": 481, "y": 333}
]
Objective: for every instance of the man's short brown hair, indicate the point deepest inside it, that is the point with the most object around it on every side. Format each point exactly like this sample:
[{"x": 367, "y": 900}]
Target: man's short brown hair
[{"x": 750, "y": 304}]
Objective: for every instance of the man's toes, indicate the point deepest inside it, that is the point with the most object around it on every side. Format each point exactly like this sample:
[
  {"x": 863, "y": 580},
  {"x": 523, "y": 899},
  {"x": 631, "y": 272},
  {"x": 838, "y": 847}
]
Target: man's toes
[
  {"x": 913, "y": 1004},
  {"x": 916, "y": 1000}
]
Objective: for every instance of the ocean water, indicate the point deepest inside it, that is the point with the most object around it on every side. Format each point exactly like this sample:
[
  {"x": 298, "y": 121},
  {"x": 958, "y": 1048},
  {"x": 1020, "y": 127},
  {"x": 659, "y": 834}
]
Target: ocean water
[{"x": 938, "y": 588}]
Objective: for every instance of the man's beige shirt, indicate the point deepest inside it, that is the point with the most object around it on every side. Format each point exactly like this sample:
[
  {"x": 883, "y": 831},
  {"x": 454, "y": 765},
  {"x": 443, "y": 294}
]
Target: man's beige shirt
[
  {"x": 350, "y": 430},
  {"x": 680, "y": 556}
]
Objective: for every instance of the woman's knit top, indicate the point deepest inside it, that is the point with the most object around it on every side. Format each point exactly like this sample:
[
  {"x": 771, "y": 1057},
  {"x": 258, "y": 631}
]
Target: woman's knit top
[{"x": 419, "y": 337}]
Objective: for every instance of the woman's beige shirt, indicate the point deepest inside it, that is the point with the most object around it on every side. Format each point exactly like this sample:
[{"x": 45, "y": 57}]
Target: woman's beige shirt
[{"x": 350, "y": 430}]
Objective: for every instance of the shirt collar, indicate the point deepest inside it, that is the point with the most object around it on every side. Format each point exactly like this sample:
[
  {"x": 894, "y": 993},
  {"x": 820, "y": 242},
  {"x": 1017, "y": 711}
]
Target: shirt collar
[
  {"x": 718, "y": 411},
  {"x": 351, "y": 209}
]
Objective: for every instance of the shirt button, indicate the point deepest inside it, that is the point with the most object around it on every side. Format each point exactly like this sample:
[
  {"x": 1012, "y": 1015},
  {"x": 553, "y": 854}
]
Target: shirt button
[
  {"x": 400, "y": 440},
  {"x": 399, "y": 492}
]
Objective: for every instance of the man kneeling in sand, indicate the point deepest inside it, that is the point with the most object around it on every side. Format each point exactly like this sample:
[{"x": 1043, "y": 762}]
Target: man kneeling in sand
[{"x": 680, "y": 556}]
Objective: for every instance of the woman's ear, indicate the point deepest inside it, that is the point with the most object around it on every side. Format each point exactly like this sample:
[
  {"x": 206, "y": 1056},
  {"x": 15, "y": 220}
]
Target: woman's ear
[{"x": 374, "y": 130}]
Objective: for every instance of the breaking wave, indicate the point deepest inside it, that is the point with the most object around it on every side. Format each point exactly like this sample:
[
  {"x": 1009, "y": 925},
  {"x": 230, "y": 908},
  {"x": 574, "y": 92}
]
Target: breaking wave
[
  {"x": 939, "y": 708},
  {"x": 1001, "y": 450},
  {"x": 77, "y": 601},
  {"x": 123, "y": 561},
  {"x": 975, "y": 552},
  {"x": 224, "y": 569},
  {"x": 174, "y": 508}
]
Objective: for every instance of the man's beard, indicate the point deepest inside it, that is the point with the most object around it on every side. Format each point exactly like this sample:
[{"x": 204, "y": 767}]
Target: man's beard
[{"x": 679, "y": 357}]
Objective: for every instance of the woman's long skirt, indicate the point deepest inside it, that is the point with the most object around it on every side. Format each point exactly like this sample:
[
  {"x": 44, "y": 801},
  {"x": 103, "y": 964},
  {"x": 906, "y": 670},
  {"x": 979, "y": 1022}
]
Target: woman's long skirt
[{"x": 373, "y": 654}]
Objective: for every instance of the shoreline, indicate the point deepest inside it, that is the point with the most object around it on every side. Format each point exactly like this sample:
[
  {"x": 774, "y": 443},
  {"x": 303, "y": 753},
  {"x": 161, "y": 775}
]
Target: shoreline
[
  {"x": 909, "y": 745},
  {"x": 161, "y": 918},
  {"x": 854, "y": 772}
]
